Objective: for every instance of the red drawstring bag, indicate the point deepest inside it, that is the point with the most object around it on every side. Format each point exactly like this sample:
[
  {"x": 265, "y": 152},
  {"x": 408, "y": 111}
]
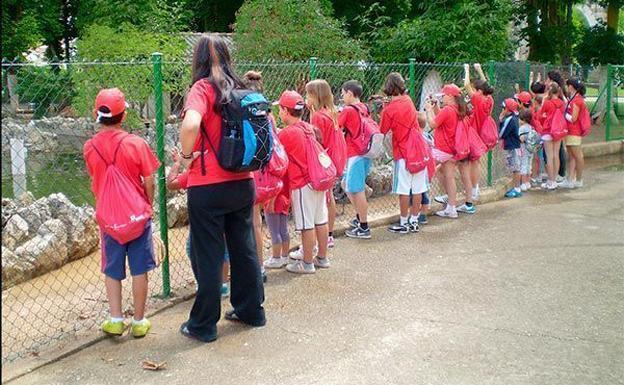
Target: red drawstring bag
[
  {"x": 337, "y": 149},
  {"x": 120, "y": 210},
  {"x": 584, "y": 121},
  {"x": 489, "y": 133},
  {"x": 462, "y": 142},
  {"x": 321, "y": 169},
  {"x": 268, "y": 186},
  {"x": 278, "y": 164},
  {"x": 558, "y": 125},
  {"x": 418, "y": 153},
  {"x": 477, "y": 147}
]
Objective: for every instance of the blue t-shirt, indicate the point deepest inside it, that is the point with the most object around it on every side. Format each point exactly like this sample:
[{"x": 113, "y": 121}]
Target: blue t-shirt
[{"x": 509, "y": 132}]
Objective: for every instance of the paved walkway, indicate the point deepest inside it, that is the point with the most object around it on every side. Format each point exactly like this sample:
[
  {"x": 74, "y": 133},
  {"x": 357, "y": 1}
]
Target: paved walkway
[{"x": 529, "y": 291}]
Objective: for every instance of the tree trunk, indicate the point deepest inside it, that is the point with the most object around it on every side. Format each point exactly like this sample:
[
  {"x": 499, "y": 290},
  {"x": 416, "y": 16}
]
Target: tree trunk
[
  {"x": 567, "y": 54},
  {"x": 531, "y": 20},
  {"x": 613, "y": 16}
]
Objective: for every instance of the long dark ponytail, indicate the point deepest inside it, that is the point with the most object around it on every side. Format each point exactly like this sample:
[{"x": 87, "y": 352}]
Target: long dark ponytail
[{"x": 212, "y": 61}]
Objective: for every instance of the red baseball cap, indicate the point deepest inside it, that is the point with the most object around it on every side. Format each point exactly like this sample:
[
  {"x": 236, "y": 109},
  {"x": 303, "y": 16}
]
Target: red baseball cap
[
  {"x": 511, "y": 105},
  {"x": 451, "y": 90},
  {"x": 113, "y": 100},
  {"x": 524, "y": 97},
  {"x": 290, "y": 99}
]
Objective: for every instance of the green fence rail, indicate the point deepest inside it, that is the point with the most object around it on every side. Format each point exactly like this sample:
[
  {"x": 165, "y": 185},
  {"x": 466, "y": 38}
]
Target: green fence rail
[{"x": 50, "y": 263}]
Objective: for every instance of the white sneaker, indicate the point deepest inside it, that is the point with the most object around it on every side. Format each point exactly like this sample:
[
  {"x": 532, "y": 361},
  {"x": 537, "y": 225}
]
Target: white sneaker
[
  {"x": 323, "y": 263},
  {"x": 299, "y": 267},
  {"x": 578, "y": 184},
  {"x": 559, "y": 179},
  {"x": 442, "y": 199},
  {"x": 567, "y": 184},
  {"x": 525, "y": 187},
  {"x": 298, "y": 254},
  {"x": 276, "y": 263},
  {"x": 447, "y": 213},
  {"x": 549, "y": 186}
]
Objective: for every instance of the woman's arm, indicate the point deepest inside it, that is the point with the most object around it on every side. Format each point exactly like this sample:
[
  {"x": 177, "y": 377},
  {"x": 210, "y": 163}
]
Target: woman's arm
[
  {"x": 431, "y": 115},
  {"x": 479, "y": 70},
  {"x": 188, "y": 134}
]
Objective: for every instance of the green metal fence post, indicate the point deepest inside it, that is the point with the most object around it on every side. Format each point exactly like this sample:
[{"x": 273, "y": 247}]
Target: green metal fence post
[
  {"x": 160, "y": 152},
  {"x": 608, "y": 117},
  {"x": 527, "y": 75},
  {"x": 492, "y": 81},
  {"x": 412, "y": 78},
  {"x": 313, "y": 61}
]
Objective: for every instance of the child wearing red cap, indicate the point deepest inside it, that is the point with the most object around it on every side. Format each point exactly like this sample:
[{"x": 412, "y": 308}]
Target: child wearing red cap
[
  {"x": 510, "y": 135},
  {"x": 135, "y": 160},
  {"x": 309, "y": 206}
]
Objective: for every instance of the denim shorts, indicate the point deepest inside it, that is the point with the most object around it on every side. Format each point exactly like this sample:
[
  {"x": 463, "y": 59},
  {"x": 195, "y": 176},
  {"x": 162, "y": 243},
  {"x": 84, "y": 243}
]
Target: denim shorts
[
  {"x": 355, "y": 175},
  {"x": 140, "y": 253}
]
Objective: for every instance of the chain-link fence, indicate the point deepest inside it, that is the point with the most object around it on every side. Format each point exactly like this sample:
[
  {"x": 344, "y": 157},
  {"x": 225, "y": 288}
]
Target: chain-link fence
[{"x": 51, "y": 282}]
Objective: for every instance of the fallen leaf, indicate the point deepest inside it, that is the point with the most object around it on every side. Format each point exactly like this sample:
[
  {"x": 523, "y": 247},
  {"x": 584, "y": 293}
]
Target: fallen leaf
[{"x": 150, "y": 365}]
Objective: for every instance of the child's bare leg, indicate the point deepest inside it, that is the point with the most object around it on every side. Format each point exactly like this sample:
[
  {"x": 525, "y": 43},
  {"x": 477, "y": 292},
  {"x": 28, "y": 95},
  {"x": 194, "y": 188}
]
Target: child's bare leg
[
  {"x": 322, "y": 233},
  {"x": 308, "y": 240},
  {"x": 226, "y": 271},
  {"x": 113, "y": 294},
  {"x": 139, "y": 295},
  {"x": 331, "y": 211},
  {"x": 416, "y": 206}
]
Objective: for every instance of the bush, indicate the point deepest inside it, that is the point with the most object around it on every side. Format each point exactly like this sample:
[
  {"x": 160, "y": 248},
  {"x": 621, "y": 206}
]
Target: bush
[
  {"x": 291, "y": 30},
  {"x": 458, "y": 31},
  {"x": 600, "y": 45},
  {"x": 44, "y": 87}
]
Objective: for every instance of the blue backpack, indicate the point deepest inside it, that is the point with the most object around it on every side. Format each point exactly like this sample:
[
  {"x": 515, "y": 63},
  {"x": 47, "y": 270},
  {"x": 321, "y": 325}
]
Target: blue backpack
[{"x": 246, "y": 143}]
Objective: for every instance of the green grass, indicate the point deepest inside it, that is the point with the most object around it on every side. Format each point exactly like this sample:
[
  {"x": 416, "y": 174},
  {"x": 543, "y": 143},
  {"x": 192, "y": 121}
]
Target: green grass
[{"x": 44, "y": 176}]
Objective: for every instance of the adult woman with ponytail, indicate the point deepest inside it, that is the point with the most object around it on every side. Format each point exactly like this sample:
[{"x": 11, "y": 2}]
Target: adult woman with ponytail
[{"x": 219, "y": 201}]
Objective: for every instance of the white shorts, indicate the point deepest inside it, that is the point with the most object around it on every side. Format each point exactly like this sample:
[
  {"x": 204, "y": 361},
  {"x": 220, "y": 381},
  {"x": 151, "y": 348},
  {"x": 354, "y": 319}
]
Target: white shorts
[
  {"x": 547, "y": 138},
  {"x": 309, "y": 208},
  {"x": 406, "y": 183}
]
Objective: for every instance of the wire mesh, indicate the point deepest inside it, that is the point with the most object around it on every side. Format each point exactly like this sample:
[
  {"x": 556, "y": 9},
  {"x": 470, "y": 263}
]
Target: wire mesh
[{"x": 52, "y": 286}]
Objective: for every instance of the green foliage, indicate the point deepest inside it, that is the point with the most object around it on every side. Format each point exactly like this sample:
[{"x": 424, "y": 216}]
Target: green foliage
[
  {"x": 456, "y": 31},
  {"x": 600, "y": 45},
  {"x": 291, "y": 30},
  {"x": 214, "y": 15},
  {"x": 44, "y": 87},
  {"x": 364, "y": 16},
  {"x": 18, "y": 35}
]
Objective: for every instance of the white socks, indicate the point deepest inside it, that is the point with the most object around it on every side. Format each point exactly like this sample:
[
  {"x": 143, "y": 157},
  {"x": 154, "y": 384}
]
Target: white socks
[
  {"x": 414, "y": 218},
  {"x": 139, "y": 322},
  {"x": 117, "y": 319},
  {"x": 403, "y": 221},
  {"x": 475, "y": 190}
]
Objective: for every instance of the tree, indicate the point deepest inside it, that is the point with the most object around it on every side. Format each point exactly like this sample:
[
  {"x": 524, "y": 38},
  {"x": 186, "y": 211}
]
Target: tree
[
  {"x": 214, "y": 15},
  {"x": 450, "y": 31},
  {"x": 600, "y": 45},
  {"x": 391, "y": 12},
  {"x": 613, "y": 13},
  {"x": 291, "y": 30}
]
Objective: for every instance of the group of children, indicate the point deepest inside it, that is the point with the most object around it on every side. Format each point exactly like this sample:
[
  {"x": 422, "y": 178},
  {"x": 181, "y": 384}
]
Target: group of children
[{"x": 463, "y": 130}]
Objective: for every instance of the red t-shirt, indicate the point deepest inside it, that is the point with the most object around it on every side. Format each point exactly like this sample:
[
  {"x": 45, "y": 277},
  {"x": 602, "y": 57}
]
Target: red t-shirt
[
  {"x": 574, "y": 128},
  {"x": 349, "y": 120},
  {"x": 400, "y": 116},
  {"x": 547, "y": 112},
  {"x": 481, "y": 108},
  {"x": 183, "y": 180},
  {"x": 201, "y": 98},
  {"x": 444, "y": 134},
  {"x": 293, "y": 140},
  {"x": 135, "y": 158}
]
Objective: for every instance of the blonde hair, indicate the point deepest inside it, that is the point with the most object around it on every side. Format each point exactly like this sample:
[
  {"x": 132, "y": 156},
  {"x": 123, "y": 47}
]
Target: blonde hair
[
  {"x": 253, "y": 80},
  {"x": 322, "y": 97}
]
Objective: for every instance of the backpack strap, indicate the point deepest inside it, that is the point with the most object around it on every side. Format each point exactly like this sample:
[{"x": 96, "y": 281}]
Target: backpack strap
[
  {"x": 360, "y": 116},
  {"x": 114, "y": 154}
]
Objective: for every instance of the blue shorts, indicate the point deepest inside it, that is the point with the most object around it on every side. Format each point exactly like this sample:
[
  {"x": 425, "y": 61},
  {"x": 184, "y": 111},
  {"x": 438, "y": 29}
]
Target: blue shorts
[
  {"x": 226, "y": 257},
  {"x": 355, "y": 175},
  {"x": 140, "y": 254}
]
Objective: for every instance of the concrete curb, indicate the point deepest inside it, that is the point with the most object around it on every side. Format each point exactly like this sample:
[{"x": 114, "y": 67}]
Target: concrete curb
[{"x": 488, "y": 195}]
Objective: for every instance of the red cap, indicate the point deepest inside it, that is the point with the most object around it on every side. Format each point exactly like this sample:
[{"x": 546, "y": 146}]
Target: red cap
[
  {"x": 290, "y": 99},
  {"x": 114, "y": 101},
  {"x": 451, "y": 90},
  {"x": 524, "y": 97},
  {"x": 511, "y": 105}
]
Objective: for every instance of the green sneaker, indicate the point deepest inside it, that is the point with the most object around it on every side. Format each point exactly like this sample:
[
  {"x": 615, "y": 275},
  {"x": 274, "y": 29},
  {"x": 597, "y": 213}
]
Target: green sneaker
[
  {"x": 114, "y": 328},
  {"x": 140, "y": 330}
]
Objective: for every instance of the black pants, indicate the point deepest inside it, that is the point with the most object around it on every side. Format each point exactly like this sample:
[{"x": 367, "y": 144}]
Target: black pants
[
  {"x": 215, "y": 210},
  {"x": 562, "y": 160}
]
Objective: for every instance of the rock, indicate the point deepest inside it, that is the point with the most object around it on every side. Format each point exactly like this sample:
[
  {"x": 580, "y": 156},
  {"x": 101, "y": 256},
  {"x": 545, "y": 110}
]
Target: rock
[
  {"x": 83, "y": 232},
  {"x": 380, "y": 180},
  {"x": 35, "y": 214},
  {"x": 177, "y": 211},
  {"x": 8, "y": 209},
  {"x": 25, "y": 199},
  {"x": 45, "y": 252},
  {"x": 15, "y": 232},
  {"x": 14, "y": 270}
]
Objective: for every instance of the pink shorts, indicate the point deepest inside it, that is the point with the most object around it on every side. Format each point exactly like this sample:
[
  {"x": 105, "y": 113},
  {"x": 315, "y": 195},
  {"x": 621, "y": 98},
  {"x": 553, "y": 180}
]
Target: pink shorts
[{"x": 441, "y": 156}]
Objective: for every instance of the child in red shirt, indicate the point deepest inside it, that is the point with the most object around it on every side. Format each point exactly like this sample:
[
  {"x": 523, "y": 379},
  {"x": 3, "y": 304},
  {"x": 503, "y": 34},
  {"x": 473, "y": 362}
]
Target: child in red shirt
[
  {"x": 309, "y": 205},
  {"x": 400, "y": 116},
  {"x": 575, "y": 107},
  {"x": 134, "y": 158},
  {"x": 552, "y": 103},
  {"x": 324, "y": 116}
]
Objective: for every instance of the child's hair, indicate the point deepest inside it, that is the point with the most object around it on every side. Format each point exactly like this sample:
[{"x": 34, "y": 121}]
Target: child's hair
[
  {"x": 556, "y": 77},
  {"x": 112, "y": 120},
  {"x": 578, "y": 85},
  {"x": 253, "y": 81},
  {"x": 395, "y": 84},
  {"x": 526, "y": 116},
  {"x": 538, "y": 87},
  {"x": 354, "y": 86},
  {"x": 554, "y": 90},
  {"x": 484, "y": 86},
  {"x": 322, "y": 97},
  {"x": 462, "y": 106},
  {"x": 294, "y": 113},
  {"x": 539, "y": 99}
]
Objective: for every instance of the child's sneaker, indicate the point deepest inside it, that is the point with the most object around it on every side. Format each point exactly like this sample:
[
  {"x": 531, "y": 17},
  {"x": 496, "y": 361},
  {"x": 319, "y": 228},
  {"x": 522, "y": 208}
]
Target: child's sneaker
[
  {"x": 422, "y": 219},
  {"x": 275, "y": 262},
  {"x": 298, "y": 254},
  {"x": 330, "y": 242},
  {"x": 398, "y": 228},
  {"x": 323, "y": 263},
  {"x": 467, "y": 209},
  {"x": 567, "y": 184},
  {"x": 116, "y": 328},
  {"x": 525, "y": 187},
  {"x": 447, "y": 213},
  {"x": 442, "y": 199},
  {"x": 513, "y": 193},
  {"x": 354, "y": 222},
  {"x": 300, "y": 267},
  {"x": 550, "y": 186},
  {"x": 559, "y": 179},
  {"x": 358, "y": 232},
  {"x": 225, "y": 290},
  {"x": 140, "y": 329},
  {"x": 413, "y": 227},
  {"x": 578, "y": 184}
]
